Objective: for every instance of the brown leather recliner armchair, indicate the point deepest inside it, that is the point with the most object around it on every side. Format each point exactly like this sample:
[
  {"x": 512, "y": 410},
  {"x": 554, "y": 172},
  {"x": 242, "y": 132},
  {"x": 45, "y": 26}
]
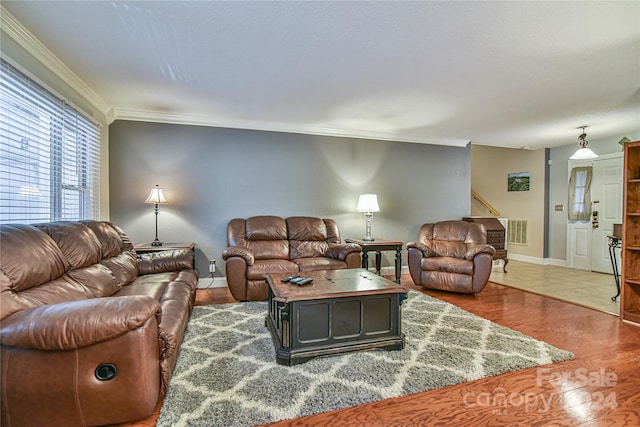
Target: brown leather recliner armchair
[{"x": 451, "y": 256}]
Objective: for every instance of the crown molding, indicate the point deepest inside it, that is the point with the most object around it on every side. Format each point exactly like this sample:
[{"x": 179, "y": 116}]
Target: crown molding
[
  {"x": 209, "y": 121},
  {"x": 14, "y": 29}
]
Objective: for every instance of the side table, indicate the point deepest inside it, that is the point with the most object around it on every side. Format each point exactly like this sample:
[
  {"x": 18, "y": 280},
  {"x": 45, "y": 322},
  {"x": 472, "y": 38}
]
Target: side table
[
  {"x": 143, "y": 248},
  {"x": 378, "y": 246}
]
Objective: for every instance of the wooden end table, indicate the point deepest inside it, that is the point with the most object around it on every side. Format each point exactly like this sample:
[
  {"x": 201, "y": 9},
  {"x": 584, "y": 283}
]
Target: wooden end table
[
  {"x": 340, "y": 311},
  {"x": 379, "y": 245}
]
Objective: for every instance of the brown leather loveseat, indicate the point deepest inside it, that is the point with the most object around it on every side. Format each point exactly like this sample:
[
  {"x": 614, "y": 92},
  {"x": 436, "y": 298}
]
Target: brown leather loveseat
[
  {"x": 90, "y": 333},
  {"x": 270, "y": 244},
  {"x": 451, "y": 256}
]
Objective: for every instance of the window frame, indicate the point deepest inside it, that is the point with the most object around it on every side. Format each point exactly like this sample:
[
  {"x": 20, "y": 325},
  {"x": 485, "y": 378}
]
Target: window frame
[{"x": 67, "y": 186}]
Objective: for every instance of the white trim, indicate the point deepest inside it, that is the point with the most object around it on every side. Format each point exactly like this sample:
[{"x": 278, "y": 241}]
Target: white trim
[
  {"x": 14, "y": 29},
  {"x": 527, "y": 258},
  {"x": 205, "y": 120},
  {"x": 555, "y": 262},
  {"x": 212, "y": 282}
]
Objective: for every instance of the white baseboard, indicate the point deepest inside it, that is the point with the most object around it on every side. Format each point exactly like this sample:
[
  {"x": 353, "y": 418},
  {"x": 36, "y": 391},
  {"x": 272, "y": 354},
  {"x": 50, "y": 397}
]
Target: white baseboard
[
  {"x": 539, "y": 261},
  {"x": 526, "y": 258},
  {"x": 212, "y": 282},
  {"x": 556, "y": 262}
]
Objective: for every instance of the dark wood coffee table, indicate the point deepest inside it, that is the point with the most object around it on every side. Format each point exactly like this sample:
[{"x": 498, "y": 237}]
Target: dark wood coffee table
[{"x": 340, "y": 311}]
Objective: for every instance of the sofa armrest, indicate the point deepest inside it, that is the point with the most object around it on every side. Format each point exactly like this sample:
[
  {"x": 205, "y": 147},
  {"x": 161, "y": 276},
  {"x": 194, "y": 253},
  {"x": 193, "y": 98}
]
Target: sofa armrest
[
  {"x": 427, "y": 251},
  {"x": 245, "y": 253},
  {"x": 77, "y": 324},
  {"x": 479, "y": 249},
  {"x": 341, "y": 250},
  {"x": 160, "y": 262}
]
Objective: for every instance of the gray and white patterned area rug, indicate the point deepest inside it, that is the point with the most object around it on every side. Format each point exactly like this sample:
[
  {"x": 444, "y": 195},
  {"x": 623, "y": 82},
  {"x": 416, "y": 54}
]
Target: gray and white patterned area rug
[{"x": 226, "y": 373}]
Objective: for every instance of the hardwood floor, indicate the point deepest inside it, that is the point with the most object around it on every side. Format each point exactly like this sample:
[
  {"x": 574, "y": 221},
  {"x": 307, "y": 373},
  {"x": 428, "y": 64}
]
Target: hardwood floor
[{"x": 598, "y": 388}]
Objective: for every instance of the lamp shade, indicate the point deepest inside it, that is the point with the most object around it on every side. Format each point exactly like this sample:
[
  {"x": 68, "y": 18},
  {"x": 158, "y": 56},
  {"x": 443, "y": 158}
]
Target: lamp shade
[
  {"x": 368, "y": 203},
  {"x": 156, "y": 196},
  {"x": 583, "y": 154}
]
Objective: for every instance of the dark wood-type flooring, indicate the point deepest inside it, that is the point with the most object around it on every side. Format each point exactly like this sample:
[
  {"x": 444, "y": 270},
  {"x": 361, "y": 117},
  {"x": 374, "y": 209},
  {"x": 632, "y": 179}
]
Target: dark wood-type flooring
[{"x": 600, "y": 387}]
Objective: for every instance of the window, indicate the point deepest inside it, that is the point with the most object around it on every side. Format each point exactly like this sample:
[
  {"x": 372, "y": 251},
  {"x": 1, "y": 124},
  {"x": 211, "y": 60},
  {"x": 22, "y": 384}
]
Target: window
[
  {"x": 49, "y": 155},
  {"x": 580, "y": 194}
]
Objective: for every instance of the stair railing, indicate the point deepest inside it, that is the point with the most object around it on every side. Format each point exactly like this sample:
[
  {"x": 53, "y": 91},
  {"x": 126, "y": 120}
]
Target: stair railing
[{"x": 484, "y": 203}]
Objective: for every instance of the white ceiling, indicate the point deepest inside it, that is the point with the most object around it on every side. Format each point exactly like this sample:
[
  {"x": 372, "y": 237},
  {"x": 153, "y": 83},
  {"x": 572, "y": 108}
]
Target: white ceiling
[{"x": 509, "y": 74}]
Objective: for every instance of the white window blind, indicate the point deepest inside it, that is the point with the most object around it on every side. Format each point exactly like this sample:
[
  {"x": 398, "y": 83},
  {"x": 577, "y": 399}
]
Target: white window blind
[{"x": 49, "y": 155}]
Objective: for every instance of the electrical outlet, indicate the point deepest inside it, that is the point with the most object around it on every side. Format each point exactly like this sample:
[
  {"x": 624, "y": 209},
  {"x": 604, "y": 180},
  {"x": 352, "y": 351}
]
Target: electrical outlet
[{"x": 212, "y": 266}]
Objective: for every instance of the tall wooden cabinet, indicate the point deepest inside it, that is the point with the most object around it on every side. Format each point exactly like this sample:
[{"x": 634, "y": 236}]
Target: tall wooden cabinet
[{"x": 630, "y": 301}]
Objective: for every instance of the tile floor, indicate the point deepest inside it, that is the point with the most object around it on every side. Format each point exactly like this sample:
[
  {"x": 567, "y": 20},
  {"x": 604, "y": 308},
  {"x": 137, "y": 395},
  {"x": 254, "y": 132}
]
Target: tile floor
[{"x": 578, "y": 286}]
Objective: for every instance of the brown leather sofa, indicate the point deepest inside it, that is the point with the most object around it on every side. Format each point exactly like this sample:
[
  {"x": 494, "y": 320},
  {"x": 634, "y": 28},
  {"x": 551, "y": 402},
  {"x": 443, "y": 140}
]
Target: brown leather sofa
[
  {"x": 270, "y": 244},
  {"x": 451, "y": 256},
  {"x": 90, "y": 332}
]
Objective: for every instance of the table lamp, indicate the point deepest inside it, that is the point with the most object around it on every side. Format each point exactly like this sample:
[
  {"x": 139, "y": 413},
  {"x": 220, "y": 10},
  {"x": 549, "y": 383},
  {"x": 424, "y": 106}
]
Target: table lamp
[
  {"x": 156, "y": 197},
  {"x": 368, "y": 203}
]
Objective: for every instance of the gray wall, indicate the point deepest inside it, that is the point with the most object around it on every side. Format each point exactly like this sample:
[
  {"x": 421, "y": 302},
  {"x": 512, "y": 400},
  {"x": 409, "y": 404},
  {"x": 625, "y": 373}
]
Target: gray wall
[{"x": 211, "y": 175}]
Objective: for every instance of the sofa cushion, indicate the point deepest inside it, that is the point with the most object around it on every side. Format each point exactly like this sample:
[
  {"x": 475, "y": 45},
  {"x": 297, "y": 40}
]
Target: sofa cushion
[
  {"x": 449, "y": 249},
  {"x": 307, "y": 237},
  {"x": 269, "y": 249},
  {"x": 188, "y": 277},
  {"x": 266, "y": 228},
  {"x": 319, "y": 263},
  {"x": 267, "y": 237},
  {"x": 21, "y": 272},
  {"x": 97, "y": 278},
  {"x": 30, "y": 257},
  {"x": 108, "y": 236},
  {"x": 262, "y": 267},
  {"x": 78, "y": 243},
  {"x": 447, "y": 265},
  {"x": 123, "y": 266},
  {"x": 306, "y": 228}
]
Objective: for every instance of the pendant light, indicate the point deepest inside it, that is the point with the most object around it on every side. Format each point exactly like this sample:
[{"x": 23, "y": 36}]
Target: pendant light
[{"x": 583, "y": 152}]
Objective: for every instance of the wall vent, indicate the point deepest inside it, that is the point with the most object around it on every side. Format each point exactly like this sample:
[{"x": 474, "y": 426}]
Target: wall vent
[{"x": 518, "y": 232}]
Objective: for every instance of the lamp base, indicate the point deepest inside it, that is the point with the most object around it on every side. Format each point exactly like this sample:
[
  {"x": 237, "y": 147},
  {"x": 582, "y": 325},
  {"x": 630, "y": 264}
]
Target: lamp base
[
  {"x": 368, "y": 239},
  {"x": 156, "y": 243}
]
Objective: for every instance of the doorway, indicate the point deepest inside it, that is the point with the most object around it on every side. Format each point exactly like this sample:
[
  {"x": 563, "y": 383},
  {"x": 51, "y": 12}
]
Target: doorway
[{"x": 587, "y": 241}]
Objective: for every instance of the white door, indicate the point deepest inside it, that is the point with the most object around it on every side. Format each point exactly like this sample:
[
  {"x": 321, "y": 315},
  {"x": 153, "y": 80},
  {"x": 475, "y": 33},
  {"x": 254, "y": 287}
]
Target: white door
[
  {"x": 587, "y": 242},
  {"x": 606, "y": 201},
  {"x": 579, "y": 245}
]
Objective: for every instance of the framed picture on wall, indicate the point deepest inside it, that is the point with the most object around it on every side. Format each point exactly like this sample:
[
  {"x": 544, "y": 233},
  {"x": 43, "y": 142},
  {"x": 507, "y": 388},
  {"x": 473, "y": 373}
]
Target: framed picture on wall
[{"x": 518, "y": 181}]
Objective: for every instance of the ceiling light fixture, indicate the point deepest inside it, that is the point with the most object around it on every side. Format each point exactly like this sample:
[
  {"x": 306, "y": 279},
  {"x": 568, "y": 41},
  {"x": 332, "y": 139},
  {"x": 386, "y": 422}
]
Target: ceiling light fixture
[{"x": 583, "y": 152}]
